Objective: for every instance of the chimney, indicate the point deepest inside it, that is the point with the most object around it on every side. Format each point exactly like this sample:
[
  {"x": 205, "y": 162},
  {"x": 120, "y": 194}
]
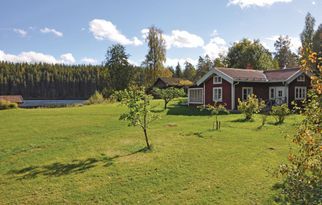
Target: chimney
[{"x": 249, "y": 66}]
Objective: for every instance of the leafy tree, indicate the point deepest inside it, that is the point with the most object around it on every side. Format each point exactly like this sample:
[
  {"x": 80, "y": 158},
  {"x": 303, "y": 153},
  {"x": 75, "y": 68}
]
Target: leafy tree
[
  {"x": 139, "y": 110},
  {"x": 284, "y": 55},
  {"x": 250, "y": 106},
  {"x": 302, "y": 182},
  {"x": 169, "y": 94},
  {"x": 178, "y": 71},
  {"x": 215, "y": 110},
  {"x": 249, "y": 54},
  {"x": 204, "y": 65},
  {"x": 119, "y": 68},
  {"x": 189, "y": 72},
  {"x": 317, "y": 40},
  {"x": 307, "y": 34},
  {"x": 220, "y": 61},
  {"x": 280, "y": 112},
  {"x": 156, "y": 56}
]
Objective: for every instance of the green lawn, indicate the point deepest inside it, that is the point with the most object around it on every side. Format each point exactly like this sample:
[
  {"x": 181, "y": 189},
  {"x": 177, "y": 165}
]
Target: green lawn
[{"x": 85, "y": 155}]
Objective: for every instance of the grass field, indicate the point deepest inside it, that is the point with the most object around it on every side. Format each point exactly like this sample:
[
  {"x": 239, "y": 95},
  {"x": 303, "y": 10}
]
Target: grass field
[{"x": 85, "y": 155}]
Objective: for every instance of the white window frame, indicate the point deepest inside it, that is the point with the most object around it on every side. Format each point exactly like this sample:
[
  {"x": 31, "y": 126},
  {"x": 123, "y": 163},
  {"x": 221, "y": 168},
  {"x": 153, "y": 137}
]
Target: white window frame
[
  {"x": 196, "y": 102},
  {"x": 217, "y": 79},
  {"x": 270, "y": 93},
  {"x": 247, "y": 88},
  {"x": 301, "y": 78},
  {"x": 303, "y": 92},
  {"x": 213, "y": 94}
]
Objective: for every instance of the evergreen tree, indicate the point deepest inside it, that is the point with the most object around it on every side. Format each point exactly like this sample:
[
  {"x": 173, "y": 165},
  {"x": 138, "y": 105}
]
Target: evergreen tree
[
  {"x": 204, "y": 65},
  {"x": 283, "y": 54},
  {"x": 178, "y": 71},
  {"x": 317, "y": 40},
  {"x": 307, "y": 33},
  {"x": 189, "y": 72}
]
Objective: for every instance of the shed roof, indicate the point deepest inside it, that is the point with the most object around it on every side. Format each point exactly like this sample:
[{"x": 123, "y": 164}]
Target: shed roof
[{"x": 12, "y": 98}]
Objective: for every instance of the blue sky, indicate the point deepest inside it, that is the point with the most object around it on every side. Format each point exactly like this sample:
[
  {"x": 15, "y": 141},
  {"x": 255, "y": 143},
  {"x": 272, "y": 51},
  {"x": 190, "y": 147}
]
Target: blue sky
[{"x": 80, "y": 31}]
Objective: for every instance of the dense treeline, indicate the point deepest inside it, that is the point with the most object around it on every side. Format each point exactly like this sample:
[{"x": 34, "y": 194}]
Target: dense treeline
[{"x": 46, "y": 81}]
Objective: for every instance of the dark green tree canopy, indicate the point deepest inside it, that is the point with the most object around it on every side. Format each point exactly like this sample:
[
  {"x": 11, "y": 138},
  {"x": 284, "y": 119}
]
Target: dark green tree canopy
[
  {"x": 178, "y": 71},
  {"x": 189, "y": 72},
  {"x": 308, "y": 32},
  {"x": 249, "y": 54},
  {"x": 284, "y": 56}
]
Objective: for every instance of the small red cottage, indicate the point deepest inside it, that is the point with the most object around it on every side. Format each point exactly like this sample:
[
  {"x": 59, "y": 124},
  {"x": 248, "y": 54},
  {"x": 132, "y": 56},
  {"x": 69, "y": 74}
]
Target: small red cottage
[{"x": 226, "y": 85}]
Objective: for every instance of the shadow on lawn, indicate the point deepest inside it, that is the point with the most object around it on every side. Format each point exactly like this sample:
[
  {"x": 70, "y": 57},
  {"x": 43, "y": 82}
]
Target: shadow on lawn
[
  {"x": 74, "y": 167},
  {"x": 185, "y": 110}
]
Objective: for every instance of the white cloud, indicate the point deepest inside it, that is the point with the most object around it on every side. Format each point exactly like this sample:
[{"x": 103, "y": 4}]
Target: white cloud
[
  {"x": 216, "y": 46},
  {"x": 103, "y": 30},
  {"x": 269, "y": 42},
  {"x": 35, "y": 57},
  {"x": 51, "y": 30},
  {"x": 259, "y": 3},
  {"x": 179, "y": 39},
  {"x": 174, "y": 61},
  {"x": 313, "y": 2},
  {"x": 90, "y": 61},
  {"x": 183, "y": 39},
  {"x": 67, "y": 58},
  {"x": 21, "y": 32}
]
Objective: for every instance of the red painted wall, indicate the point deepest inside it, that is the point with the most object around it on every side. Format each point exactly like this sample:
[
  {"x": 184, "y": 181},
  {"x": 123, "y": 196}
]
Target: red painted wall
[
  {"x": 291, "y": 88},
  {"x": 226, "y": 92}
]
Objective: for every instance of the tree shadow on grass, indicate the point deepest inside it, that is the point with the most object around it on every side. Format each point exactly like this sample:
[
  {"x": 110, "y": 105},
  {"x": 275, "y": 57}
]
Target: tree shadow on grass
[
  {"x": 242, "y": 120},
  {"x": 186, "y": 110},
  {"x": 58, "y": 169}
]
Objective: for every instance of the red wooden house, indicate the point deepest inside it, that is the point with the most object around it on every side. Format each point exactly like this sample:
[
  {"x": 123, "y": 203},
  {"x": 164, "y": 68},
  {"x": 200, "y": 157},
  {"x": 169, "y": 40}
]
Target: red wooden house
[{"x": 226, "y": 85}]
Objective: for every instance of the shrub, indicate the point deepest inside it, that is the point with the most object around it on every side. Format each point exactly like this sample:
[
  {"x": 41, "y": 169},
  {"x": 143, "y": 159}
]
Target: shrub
[
  {"x": 216, "y": 109},
  {"x": 4, "y": 105},
  {"x": 279, "y": 112},
  {"x": 250, "y": 106},
  {"x": 96, "y": 98}
]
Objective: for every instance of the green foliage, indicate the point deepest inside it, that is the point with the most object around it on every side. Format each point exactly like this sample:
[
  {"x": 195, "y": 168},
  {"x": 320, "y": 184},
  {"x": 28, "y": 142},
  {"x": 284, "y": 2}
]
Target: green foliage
[
  {"x": 96, "y": 98},
  {"x": 250, "y": 106},
  {"x": 120, "y": 71},
  {"x": 280, "y": 112},
  {"x": 169, "y": 94},
  {"x": 189, "y": 72},
  {"x": 317, "y": 40},
  {"x": 204, "y": 65},
  {"x": 284, "y": 55},
  {"x": 249, "y": 54},
  {"x": 4, "y": 105},
  {"x": 215, "y": 110},
  {"x": 139, "y": 110},
  {"x": 178, "y": 72},
  {"x": 308, "y": 33},
  {"x": 156, "y": 57}
]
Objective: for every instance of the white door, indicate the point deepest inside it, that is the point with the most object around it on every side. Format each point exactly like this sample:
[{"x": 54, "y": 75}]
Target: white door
[{"x": 280, "y": 95}]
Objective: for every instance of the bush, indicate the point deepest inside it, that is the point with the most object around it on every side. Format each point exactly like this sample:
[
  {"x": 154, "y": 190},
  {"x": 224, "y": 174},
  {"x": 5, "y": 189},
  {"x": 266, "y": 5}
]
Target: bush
[
  {"x": 96, "y": 98},
  {"x": 279, "y": 112},
  {"x": 250, "y": 106},
  {"x": 4, "y": 105}
]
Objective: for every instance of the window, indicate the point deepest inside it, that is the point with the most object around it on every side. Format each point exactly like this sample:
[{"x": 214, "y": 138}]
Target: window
[
  {"x": 300, "y": 93},
  {"x": 217, "y": 80},
  {"x": 195, "y": 95},
  {"x": 272, "y": 93},
  {"x": 217, "y": 94},
  {"x": 246, "y": 91},
  {"x": 301, "y": 78}
]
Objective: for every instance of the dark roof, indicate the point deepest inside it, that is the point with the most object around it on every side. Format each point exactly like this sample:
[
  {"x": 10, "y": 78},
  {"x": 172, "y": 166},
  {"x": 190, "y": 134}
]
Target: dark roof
[
  {"x": 170, "y": 81},
  {"x": 280, "y": 75},
  {"x": 259, "y": 75},
  {"x": 244, "y": 74},
  {"x": 12, "y": 98}
]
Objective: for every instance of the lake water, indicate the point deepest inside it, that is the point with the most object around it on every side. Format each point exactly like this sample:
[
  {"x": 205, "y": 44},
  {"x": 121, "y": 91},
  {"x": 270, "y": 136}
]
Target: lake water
[{"x": 50, "y": 103}]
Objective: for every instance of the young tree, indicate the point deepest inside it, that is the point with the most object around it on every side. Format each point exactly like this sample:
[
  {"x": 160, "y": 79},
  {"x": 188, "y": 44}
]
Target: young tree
[
  {"x": 302, "y": 182},
  {"x": 280, "y": 112},
  {"x": 178, "y": 71},
  {"x": 249, "y": 54},
  {"x": 156, "y": 56},
  {"x": 250, "y": 106},
  {"x": 120, "y": 70},
  {"x": 284, "y": 55},
  {"x": 189, "y": 72},
  {"x": 169, "y": 94},
  {"x": 139, "y": 110},
  {"x": 216, "y": 109}
]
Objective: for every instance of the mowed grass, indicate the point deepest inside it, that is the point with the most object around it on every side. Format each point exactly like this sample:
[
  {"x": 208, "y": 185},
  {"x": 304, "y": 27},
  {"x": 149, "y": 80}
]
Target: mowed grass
[{"x": 85, "y": 155}]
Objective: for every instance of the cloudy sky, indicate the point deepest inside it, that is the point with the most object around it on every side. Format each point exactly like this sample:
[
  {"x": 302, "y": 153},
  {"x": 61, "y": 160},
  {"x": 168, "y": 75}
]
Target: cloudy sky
[{"x": 80, "y": 31}]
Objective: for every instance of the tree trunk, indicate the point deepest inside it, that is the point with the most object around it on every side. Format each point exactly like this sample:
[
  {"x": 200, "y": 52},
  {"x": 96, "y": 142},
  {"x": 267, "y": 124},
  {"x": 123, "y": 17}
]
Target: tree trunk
[{"x": 146, "y": 139}]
